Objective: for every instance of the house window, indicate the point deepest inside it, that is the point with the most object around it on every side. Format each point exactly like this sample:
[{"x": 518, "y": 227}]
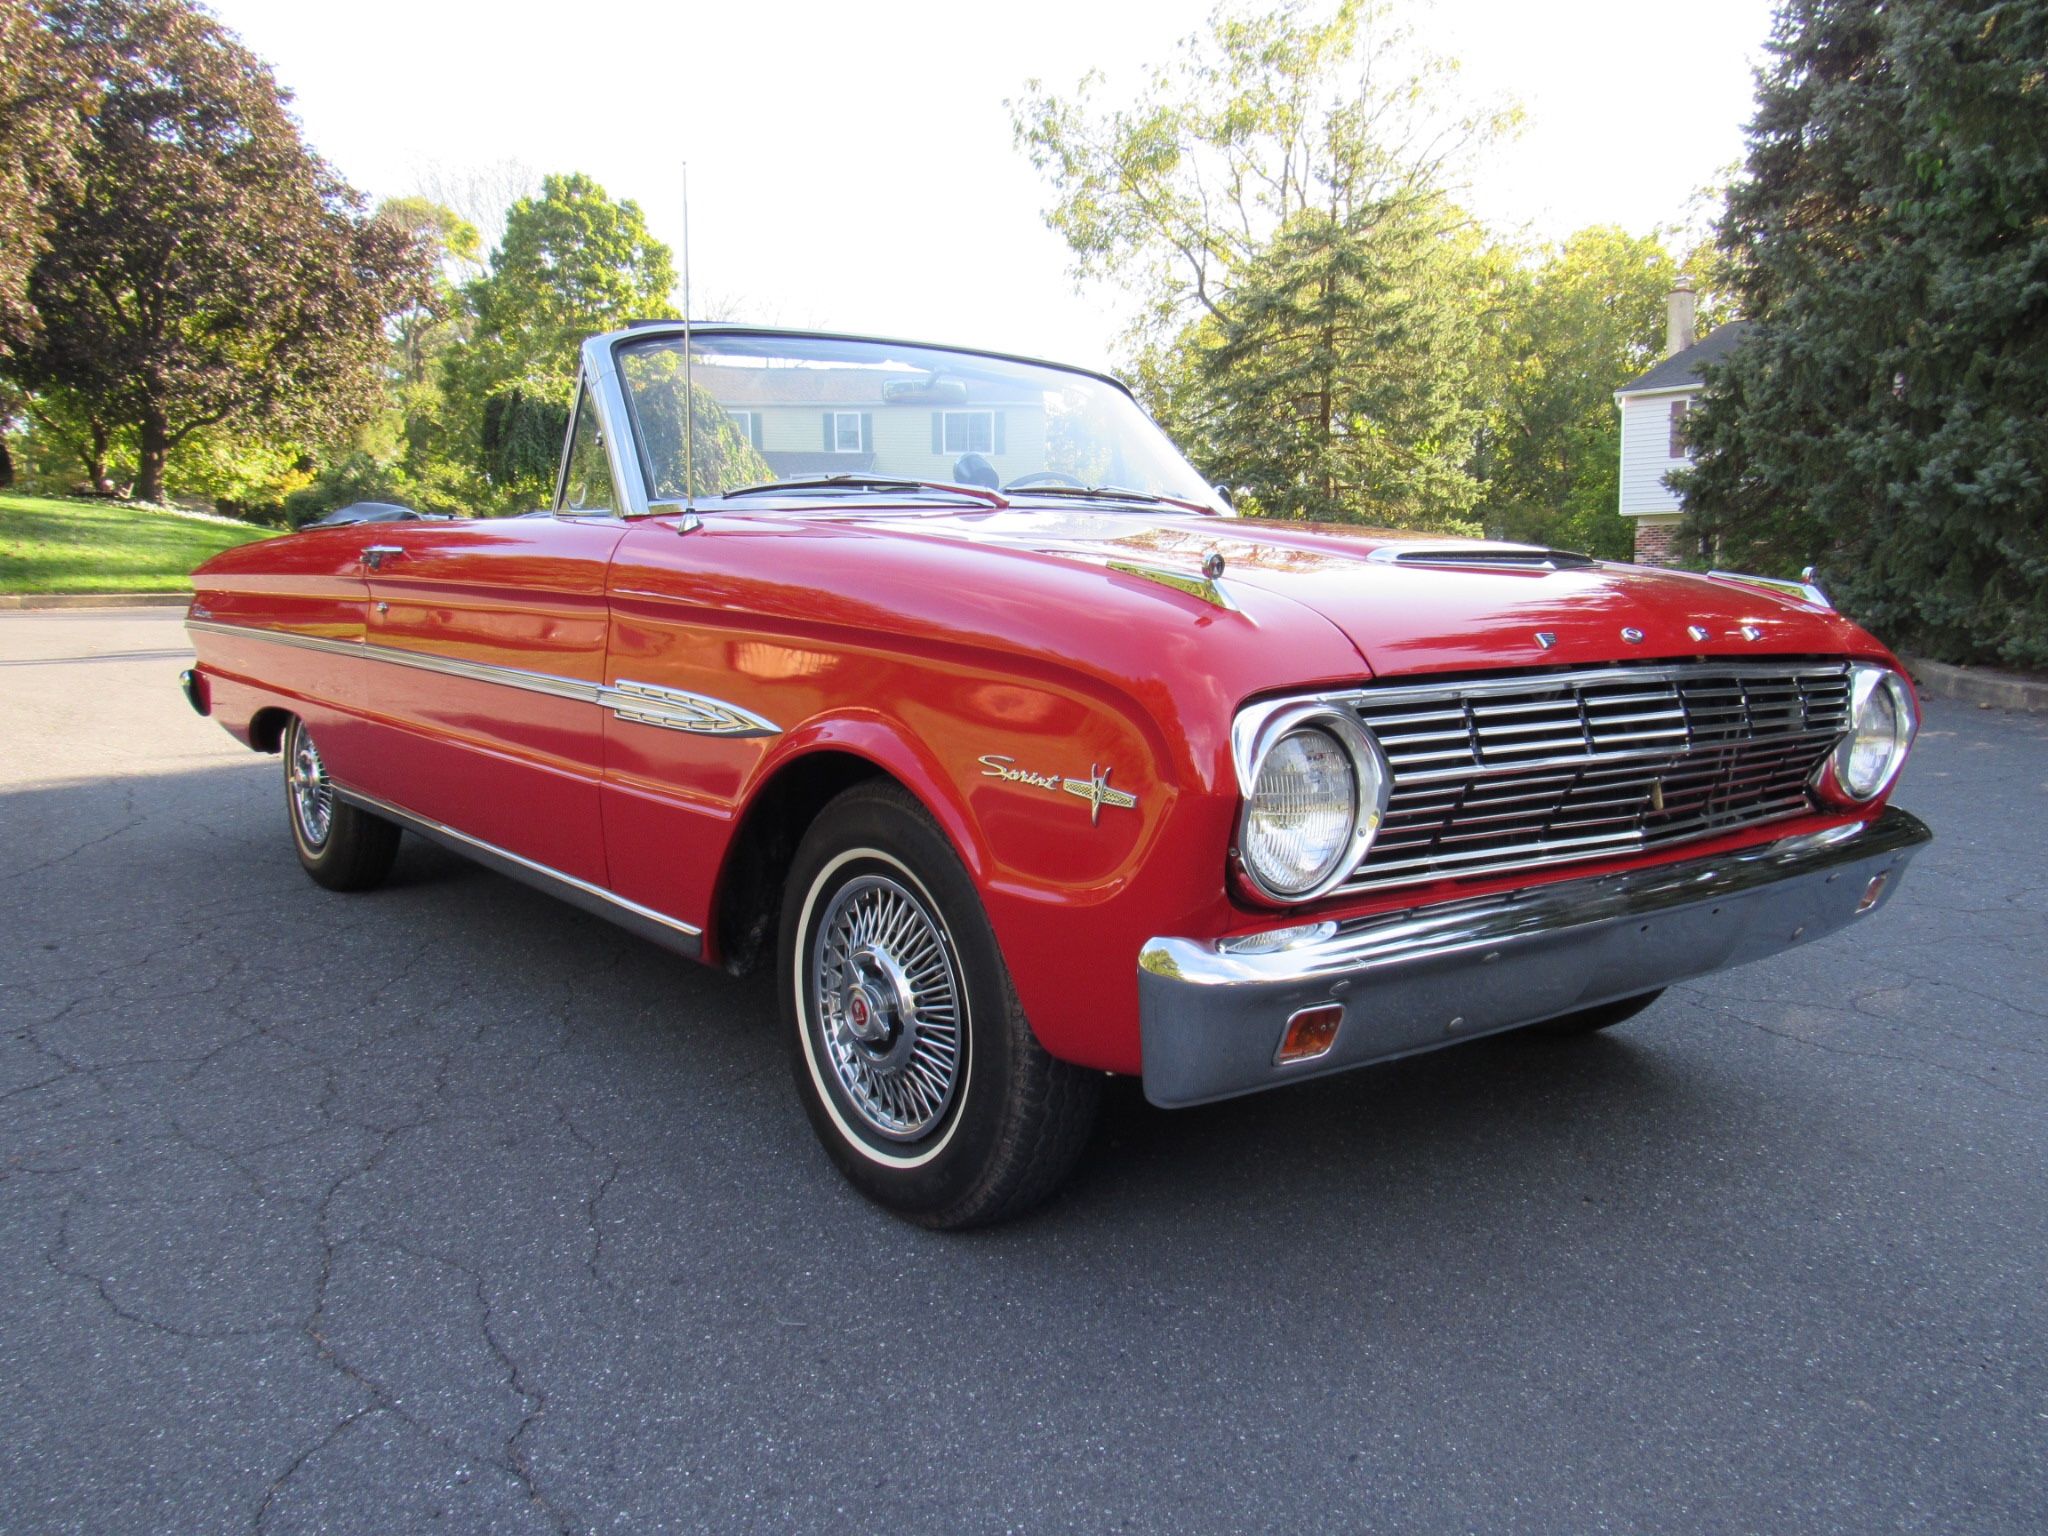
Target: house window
[
  {"x": 970, "y": 432},
  {"x": 1677, "y": 444},
  {"x": 846, "y": 432},
  {"x": 748, "y": 423}
]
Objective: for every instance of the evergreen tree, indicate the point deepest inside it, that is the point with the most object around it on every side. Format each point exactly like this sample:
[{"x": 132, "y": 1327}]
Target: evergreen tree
[
  {"x": 1310, "y": 323},
  {"x": 1885, "y": 418},
  {"x": 1338, "y": 388}
]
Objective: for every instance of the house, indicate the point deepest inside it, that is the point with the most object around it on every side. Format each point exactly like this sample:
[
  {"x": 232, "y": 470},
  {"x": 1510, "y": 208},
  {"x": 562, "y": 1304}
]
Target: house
[
  {"x": 826, "y": 420},
  {"x": 1653, "y": 412}
]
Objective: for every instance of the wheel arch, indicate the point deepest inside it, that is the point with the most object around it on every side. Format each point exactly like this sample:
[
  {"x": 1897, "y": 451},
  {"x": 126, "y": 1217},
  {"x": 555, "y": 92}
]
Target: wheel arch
[
  {"x": 266, "y": 728},
  {"x": 813, "y": 768}
]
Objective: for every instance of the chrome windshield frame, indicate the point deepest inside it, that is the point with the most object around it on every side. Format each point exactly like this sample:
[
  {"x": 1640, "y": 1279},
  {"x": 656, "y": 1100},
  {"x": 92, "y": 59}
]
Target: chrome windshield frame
[{"x": 601, "y": 372}]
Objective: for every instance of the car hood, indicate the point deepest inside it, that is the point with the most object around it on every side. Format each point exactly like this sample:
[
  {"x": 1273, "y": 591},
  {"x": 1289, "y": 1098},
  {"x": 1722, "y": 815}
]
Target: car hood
[{"x": 1412, "y": 603}]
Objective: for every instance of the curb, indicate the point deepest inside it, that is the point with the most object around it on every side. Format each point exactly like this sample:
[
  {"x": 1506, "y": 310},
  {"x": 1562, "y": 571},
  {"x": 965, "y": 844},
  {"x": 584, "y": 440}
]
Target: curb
[
  {"x": 9, "y": 600},
  {"x": 1974, "y": 685}
]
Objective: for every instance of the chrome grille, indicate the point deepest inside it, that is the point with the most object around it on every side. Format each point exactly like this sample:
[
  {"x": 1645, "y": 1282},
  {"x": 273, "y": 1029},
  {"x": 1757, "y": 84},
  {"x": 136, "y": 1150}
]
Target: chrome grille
[{"x": 1505, "y": 773}]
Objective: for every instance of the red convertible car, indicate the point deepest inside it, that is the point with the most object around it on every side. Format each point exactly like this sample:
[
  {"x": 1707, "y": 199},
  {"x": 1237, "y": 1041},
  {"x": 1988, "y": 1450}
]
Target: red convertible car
[{"x": 941, "y": 682}]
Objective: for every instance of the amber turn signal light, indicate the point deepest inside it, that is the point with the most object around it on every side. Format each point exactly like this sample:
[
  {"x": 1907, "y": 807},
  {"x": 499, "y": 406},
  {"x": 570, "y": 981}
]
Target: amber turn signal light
[{"x": 1310, "y": 1033}]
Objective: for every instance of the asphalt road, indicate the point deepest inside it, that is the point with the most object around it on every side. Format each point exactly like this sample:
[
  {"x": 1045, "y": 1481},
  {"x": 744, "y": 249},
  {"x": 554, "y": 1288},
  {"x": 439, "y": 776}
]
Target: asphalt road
[{"x": 449, "y": 1208}]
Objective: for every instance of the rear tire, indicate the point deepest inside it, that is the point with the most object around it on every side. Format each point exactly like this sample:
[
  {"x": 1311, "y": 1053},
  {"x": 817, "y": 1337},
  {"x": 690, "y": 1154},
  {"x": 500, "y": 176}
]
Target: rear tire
[
  {"x": 340, "y": 845},
  {"x": 1591, "y": 1020},
  {"x": 914, "y": 1061}
]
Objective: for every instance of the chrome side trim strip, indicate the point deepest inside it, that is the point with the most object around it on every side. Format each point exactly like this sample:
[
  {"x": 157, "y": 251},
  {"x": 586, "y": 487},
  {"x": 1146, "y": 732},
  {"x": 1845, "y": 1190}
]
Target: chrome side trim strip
[
  {"x": 276, "y": 636},
  {"x": 658, "y": 926},
  {"x": 421, "y": 661},
  {"x": 641, "y": 703},
  {"x": 672, "y": 708}
]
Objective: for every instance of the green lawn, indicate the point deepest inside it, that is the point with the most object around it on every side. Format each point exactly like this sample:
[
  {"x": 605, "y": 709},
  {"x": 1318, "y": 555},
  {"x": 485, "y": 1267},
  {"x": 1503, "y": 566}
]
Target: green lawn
[{"x": 93, "y": 546}]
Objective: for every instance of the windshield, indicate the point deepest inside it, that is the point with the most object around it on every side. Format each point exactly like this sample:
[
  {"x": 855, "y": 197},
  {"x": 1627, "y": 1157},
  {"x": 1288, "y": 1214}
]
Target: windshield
[{"x": 841, "y": 416}]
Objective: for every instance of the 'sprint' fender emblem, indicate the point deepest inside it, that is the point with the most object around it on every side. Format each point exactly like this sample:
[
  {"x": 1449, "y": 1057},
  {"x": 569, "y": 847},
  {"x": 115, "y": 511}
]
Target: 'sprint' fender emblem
[{"x": 1095, "y": 789}]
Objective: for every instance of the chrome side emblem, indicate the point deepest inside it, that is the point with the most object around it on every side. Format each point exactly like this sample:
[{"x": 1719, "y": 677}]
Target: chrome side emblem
[
  {"x": 1632, "y": 635},
  {"x": 1545, "y": 638},
  {"x": 1751, "y": 632},
  {"x": 1094, "y": 789},
  {"x": 1698, "y": 632},
  {"x": 674, "y": 710}
]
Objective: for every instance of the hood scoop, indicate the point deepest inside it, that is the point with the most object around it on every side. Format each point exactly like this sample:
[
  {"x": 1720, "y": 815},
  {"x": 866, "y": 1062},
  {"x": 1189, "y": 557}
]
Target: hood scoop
[{"x": 1485, "y": 557}]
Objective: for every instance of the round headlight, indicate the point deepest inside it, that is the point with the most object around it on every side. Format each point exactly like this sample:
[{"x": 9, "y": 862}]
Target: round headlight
[
  {"x": 1881, "y": 726},
  {"x": 1315, "y": 788},
  {"x": 1303, "y": 808}
]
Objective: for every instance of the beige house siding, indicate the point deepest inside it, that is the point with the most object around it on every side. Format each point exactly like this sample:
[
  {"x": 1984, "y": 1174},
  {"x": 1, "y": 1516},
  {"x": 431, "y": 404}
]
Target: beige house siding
[
  {"x": 902, "y": 437},
  {"x": 1646, "y": 453}
]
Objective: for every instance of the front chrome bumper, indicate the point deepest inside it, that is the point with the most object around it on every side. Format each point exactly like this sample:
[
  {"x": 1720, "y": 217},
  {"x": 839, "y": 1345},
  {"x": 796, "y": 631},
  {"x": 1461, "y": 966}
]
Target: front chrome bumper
[{"x": 1411, "y": 981}]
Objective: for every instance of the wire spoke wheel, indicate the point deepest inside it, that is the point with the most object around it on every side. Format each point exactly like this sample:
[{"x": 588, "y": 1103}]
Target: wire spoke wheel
[
  {"x": 312, "y": 793},
  {"x": 887, "y": 995}
]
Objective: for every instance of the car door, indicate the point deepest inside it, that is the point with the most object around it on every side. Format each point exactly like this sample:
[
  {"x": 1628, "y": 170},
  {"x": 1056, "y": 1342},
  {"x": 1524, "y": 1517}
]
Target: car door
[{"x": 485, "y": 654}]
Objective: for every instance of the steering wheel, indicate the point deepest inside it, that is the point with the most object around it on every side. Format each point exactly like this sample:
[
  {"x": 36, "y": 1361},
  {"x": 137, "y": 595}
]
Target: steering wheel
[{"x": 1046, "y": 477}]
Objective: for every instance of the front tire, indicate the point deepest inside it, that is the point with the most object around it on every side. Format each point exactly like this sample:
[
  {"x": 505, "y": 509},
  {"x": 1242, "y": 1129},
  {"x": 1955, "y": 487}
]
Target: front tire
[
  {"x": 342, "y": 846},
  {"x": 912, "y": 1056}
]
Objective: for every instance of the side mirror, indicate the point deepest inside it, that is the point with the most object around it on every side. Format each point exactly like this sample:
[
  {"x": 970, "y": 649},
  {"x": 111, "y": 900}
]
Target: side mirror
[{"x": 1223, "y": 493}]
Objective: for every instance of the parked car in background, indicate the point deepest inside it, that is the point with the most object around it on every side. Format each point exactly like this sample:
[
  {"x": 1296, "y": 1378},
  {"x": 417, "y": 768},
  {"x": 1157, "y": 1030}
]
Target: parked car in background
[{"x": 941, "y": 683}]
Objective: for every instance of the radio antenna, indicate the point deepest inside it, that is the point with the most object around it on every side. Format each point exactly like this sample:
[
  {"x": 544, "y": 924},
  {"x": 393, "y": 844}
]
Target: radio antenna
[{"x": 689, "y": 388}]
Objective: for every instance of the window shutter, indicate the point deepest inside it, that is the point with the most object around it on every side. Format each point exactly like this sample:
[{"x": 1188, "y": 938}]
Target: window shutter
[
  {"x": 1677, "y": 443},
  {"x": 999, "y": 431},
  {"x": 829, "y": 444},
  {"x": 867, "y": 432},
  {"x": 938, "y": 431},
  {"x": 754, "y": 428}
]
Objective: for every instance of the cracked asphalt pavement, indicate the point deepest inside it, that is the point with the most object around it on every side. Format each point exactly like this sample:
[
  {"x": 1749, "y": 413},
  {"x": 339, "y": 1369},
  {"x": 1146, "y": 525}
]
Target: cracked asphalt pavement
[{"x": 450, "y": 1208}]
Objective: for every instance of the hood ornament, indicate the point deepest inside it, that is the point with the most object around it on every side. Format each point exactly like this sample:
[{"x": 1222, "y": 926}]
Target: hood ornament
[
  {"x": 1212, "y": 566},
  {"x": 1546, "y": 638},
  {"x": 1632, "y": 635},
  {"x": 1205, "y": 586}
]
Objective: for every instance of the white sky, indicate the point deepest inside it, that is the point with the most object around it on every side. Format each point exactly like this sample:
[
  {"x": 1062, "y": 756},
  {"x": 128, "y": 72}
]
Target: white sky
[{"x": 851, "y": 164}]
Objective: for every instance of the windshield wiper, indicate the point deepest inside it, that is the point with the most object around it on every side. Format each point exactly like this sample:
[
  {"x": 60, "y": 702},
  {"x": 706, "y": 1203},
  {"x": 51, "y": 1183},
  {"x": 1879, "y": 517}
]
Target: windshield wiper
[
  {"x": 1115, "y": 493},
  {"x": 860, "y": 482}
]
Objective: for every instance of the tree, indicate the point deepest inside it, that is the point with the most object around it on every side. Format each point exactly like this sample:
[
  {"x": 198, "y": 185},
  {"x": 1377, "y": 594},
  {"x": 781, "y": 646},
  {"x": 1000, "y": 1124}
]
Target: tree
[
  {"x": 1883, "y": 419},
  {"x": 573, "y": 263},
  {"x": 434, "y": 317},
  {"x": 44, "y": 88},
  {"x": 205, "y": 266},
  {"x": 1577, "y": 326},
  {"x": 1275, "y": 199},
  {"x": 1339, "y": 384}
]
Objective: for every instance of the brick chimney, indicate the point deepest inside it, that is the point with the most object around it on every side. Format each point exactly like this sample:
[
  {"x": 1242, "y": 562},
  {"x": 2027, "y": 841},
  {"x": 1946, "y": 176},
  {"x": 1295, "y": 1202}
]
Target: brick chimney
[{"x": 1679, "y": 312}]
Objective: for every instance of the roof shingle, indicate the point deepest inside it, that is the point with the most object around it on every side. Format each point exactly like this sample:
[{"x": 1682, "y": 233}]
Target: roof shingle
[{"x": 1682, "y": 369}]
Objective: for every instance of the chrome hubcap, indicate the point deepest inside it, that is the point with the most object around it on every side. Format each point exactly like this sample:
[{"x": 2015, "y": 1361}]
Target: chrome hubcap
[
  {"x": 312, "y": 796},
  {"x": 886, "y": 991}
]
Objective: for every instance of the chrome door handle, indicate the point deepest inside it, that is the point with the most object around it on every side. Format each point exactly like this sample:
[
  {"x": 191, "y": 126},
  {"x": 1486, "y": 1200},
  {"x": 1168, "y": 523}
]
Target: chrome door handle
[{"x": 375, "y": 556}]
